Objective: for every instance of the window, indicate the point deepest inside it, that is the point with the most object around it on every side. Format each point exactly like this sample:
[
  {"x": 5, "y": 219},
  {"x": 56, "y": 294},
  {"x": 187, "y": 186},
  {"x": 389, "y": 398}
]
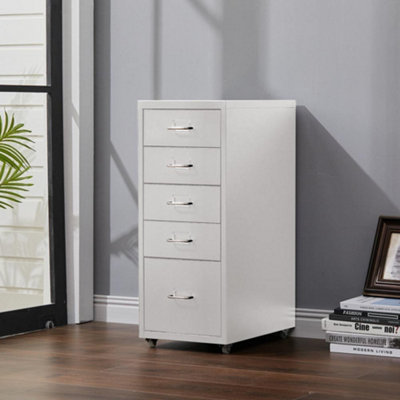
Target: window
[{"x": 32, "y": 248}]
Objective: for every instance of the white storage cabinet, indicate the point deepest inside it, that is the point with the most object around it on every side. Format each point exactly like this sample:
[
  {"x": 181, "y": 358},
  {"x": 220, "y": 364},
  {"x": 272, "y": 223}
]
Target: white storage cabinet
[{"x": 216, "y": 220}]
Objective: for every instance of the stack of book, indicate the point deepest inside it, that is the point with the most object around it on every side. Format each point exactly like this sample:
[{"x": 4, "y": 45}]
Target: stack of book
[{"x": 365, "y": 325}]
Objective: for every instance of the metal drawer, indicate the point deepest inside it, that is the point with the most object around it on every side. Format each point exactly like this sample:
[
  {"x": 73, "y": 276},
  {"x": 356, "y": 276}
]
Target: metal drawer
[
  {"x": 182, "y": 296},
  {"x": 196, "y": 128},
  {"x": 188, "y": 240},
  {"x": 182, "y": 203},
  {"x": 182, "y": 165}
]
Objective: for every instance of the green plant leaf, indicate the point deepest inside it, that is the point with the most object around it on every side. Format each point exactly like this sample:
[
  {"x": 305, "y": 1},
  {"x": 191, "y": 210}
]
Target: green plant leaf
[
  {"x": 14, "y": 166},
  {"x": 5, "y": 122}
]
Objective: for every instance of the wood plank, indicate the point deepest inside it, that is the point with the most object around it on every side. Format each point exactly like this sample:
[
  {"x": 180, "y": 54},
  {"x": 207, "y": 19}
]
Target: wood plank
[
  {"x": 17, "y": 300},
  {"x": 35, "y": 119},
  {"x": 389, "y": 376},
  {"x": 22, "y": 30},
  {"x": 324, "y": 396},
  {"x": 37, "y": 157},
  {"x": 22, "y": 7},
  {"x": 31, "y": 213},
  {"x": 23, "y": 80},
  {"x": 23, "y": 244},
  {"x": 39, "y": 184},
  {"x": 177, "y": 386},
  {"x": 20, "y": 389},
  {"x": 21, "y": 274},
  {"x": 39, "y": 181},
  {"x": 19, "y": 99},
  {"x": 259, "y": 382},
  {"x": 98, "y": 360},
  {"x": 25, "y": 61}
]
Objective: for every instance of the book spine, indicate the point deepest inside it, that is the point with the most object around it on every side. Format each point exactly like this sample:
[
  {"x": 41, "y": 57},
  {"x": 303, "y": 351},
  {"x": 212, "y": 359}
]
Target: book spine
[
  {"x": 360, "y": 328},
  {"x": 363, "y": 340},
  {"x": 368, "y": 314},
  {"x": 369, "y": 307},
  {"x": 366, "y": 320},
  {"x": 364, "y": 350}
]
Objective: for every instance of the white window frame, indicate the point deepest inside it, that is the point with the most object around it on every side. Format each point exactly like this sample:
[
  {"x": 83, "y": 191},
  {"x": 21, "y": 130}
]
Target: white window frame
[{"x": 78, "y": 156}]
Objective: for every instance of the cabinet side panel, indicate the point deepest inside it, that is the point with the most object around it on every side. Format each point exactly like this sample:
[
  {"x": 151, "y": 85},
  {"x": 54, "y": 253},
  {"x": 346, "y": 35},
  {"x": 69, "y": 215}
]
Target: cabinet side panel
[
  {"x": 140, "y": 219},
  {"x": 260, "y": 221}
]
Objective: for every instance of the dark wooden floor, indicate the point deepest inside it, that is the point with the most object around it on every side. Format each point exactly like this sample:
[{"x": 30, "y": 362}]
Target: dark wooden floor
[{"x": 108, "y": 361}]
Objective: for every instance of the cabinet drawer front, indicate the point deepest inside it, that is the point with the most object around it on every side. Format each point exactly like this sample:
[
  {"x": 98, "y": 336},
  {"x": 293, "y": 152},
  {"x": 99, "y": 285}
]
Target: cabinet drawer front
[
  {"x": 182, "y": 165},
  {"x": 198, "y": 128},
  {"x": 182, "y": 296},
  {"x": 187, "y": 240},
  {"x": 182, "y": 203}
]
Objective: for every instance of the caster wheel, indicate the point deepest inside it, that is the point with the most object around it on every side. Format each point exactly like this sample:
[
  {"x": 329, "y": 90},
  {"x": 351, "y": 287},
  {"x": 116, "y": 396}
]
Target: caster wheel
[
  {"x": 226, "y": 348},
  {"x": 49, "y": 325},
  {"x": 284, "y": 334},
  {"x": 152, "y": 343}
]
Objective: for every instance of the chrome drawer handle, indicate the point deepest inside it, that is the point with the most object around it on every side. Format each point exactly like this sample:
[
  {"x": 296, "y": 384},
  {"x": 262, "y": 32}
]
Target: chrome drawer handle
[
  {"x": 180, "y": 128},
  {"x": 179, "y": 203},
  {"x": 174, "y": 296},
  {"x": 170, "y": 240},
  {"x": 180, "y": 165}
]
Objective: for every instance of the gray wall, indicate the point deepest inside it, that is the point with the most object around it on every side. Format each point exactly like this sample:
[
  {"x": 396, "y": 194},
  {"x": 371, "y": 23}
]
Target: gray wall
[{"x": 339, "y": 59}]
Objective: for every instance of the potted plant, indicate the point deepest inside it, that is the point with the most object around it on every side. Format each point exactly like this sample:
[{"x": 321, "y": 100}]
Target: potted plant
[{"x": 14, "y": 166}]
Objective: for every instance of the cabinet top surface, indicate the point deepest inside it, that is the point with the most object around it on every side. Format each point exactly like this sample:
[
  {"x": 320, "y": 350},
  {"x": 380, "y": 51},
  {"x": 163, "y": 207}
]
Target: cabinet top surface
[{"x": 160, "y": 104}]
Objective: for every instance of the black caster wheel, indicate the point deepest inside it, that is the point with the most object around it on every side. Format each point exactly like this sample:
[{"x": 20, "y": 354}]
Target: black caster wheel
[
  {"x": 226, "y": 348},
  {"x": 152, "y": 343},
  {"x": 284, "y": 334}
]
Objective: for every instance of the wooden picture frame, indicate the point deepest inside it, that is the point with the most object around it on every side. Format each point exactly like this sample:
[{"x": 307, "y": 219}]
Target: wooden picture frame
[{"x": 383, "y": 277}]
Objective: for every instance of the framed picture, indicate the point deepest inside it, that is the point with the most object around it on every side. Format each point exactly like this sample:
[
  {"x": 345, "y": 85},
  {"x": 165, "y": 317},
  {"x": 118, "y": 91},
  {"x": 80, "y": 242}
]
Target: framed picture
[{"x": 383, "y": 278}]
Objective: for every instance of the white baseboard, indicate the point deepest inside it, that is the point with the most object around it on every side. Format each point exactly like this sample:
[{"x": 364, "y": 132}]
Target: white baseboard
[
  {"x": 118, "y": 309},
  {"x": 125, "y": 310},
  {"x": 308, "y": 323}
]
